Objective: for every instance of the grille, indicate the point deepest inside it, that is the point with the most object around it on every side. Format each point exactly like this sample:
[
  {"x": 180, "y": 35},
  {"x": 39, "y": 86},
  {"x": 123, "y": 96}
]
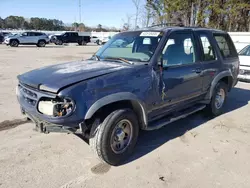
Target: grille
[{"x": 28, "y": 95}]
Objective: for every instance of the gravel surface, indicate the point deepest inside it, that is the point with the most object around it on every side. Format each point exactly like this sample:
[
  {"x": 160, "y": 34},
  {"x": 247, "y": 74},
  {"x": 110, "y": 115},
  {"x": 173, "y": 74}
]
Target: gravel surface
[{"x": 192, "y": 153}]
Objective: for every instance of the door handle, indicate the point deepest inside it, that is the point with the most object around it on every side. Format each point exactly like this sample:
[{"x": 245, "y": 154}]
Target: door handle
[{"x": 197, "y": 70}]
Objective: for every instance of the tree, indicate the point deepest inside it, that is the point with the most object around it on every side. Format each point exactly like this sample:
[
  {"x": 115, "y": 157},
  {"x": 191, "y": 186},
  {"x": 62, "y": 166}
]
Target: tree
[
  {"x": 2, "y": 24},
  {"x": 127, "y": 22},
  {"x": 137, "y": 5},
  {"x": 75, "y": 25},
  {"x": 81, "y": 27},
  {"x": 230, "y": 15}
]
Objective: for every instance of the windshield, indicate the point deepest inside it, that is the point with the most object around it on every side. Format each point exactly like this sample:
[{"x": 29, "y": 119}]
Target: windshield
[
  {"x": 133, "y": 46},
  {"x": 245, "y": 51}
]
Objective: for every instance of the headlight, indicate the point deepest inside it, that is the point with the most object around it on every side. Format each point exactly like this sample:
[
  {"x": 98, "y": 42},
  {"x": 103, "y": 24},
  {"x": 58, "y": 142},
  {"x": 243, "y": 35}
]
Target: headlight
[{"x": 56, "y": 107}]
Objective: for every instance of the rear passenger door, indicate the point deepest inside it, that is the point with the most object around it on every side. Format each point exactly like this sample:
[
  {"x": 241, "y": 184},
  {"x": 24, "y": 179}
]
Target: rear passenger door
[
  {"x": 74, "y": 37},
  {"x": 208, "y": 57}
]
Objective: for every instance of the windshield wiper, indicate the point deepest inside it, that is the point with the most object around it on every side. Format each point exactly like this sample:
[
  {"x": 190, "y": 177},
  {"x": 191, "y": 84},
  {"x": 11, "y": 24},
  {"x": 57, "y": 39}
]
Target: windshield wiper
[{"x": 119, "y": 59}]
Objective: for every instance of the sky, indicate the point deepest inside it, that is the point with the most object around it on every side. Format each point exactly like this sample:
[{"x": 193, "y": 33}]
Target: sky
[{"x": 111, "y": 13}]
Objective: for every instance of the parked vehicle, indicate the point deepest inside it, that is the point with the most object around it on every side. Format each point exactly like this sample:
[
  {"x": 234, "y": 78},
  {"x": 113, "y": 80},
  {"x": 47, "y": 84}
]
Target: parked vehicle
[
  {"x": 102, "y": 40},
  {"x": 2, "y": 36},
  {"x": 28, "y": 38},
  {"x": 244, "y": 56},
  {"x": 52, "y": 38},
  {"x": 94, "y": 39},
  {"x": 141, "y": 79},
  {"x": 71, "y": 37}
]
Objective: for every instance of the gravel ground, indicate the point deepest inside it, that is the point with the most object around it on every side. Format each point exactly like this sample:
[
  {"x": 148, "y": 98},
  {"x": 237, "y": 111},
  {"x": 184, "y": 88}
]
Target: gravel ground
[{"x": 193, "y": 152}]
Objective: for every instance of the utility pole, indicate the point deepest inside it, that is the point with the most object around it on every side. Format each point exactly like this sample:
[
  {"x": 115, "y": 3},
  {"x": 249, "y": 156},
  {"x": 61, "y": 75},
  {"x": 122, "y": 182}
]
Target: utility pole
[{"x": 80, "y": 11}]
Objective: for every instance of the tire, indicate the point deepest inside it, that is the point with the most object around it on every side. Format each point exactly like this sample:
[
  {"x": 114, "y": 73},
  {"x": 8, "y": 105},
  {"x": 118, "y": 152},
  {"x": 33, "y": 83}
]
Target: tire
[
  {"x": 14, "y": 43},
  {"x": 213, "y": 108},
  {"x": 59, "y": 42},
  {"x": 99, "y": 42},
  {"x": 102, "y": 135},
  {"x": 41, "y": 43}
]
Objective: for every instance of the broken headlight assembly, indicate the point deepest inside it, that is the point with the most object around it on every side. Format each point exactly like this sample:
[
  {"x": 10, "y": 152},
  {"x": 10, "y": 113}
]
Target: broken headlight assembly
[{"x": 58, "y": 107}]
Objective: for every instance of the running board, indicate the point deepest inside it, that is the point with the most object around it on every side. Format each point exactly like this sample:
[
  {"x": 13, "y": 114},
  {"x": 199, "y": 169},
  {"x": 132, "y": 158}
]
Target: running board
[{"x": 170, "y": 119}]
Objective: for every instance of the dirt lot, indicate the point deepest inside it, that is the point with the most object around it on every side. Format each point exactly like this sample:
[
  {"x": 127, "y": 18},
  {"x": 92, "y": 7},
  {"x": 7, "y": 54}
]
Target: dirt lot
[{"x": 193, "y": 152}]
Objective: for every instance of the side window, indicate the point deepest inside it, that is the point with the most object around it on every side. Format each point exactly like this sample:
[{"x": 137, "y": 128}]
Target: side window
[
  {"x": 245, "y": 51},
  {"x": 208, "y": 50},
  {"x": 226, "y": 46},
  {"x": 179, "y": 50},
  {"x": 25, "y": 34},
  {"x": 38, "y": 34}
]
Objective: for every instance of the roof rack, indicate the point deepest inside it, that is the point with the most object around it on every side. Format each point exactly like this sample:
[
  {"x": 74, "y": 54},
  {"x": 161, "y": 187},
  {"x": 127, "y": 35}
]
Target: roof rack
[{"x": 167, "y": 25}]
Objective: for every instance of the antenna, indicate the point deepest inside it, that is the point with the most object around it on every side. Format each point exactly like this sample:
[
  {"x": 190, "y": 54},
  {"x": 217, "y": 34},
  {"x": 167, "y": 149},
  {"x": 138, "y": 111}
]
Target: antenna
[{"x": 80, "y": 11}]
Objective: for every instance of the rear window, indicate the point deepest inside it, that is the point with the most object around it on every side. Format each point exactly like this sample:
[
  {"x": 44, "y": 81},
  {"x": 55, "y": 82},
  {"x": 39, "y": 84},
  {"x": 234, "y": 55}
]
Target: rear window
[{"x": 226, "y": 45}]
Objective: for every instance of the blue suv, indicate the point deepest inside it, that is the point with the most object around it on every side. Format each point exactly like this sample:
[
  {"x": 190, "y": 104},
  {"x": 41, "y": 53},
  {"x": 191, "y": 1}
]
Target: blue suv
[{"x": 143, "y": 79}]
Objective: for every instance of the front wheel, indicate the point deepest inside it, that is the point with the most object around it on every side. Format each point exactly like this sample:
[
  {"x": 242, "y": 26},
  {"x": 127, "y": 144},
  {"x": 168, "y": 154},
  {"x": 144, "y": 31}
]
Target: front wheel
[
  {"x": 59, "y": 42},
  {"x": 115, "y": 138},
  {"x": 218, "y": 100},
  {"x": 14, "y": 43},
  {"x": 99, "y": 42}
]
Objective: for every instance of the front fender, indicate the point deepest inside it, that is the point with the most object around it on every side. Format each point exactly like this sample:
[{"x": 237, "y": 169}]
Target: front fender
[{"x": 116, "y": 97}]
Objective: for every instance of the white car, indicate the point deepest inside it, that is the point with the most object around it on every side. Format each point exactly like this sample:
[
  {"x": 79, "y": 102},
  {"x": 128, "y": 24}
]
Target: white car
[
  {"x": 94, "y": 39},
  {"x": 99, "y": 40},
  {"x": 28, "y": 38},
  {"x": 244, "y": 56}
]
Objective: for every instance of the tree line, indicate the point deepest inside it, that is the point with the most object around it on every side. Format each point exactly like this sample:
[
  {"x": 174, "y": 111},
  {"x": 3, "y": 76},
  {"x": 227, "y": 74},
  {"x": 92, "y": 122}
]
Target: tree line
[
  {"x": 35, "y": 23},
  {"x": 229, "y": 15}
]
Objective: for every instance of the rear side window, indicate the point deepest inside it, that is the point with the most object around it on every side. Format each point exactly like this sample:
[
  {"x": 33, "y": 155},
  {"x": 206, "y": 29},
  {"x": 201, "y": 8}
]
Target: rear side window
[
  {"x": 226, "y": 46},
  {"x": 38, "y": 34},
  {"x": 208, "y": 50}
]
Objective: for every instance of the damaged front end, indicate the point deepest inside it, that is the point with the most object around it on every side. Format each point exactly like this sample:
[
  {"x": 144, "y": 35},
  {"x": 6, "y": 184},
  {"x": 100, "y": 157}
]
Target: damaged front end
[
  {"x": 58, "y": 107},
  {"x": 49, "y": 112}
]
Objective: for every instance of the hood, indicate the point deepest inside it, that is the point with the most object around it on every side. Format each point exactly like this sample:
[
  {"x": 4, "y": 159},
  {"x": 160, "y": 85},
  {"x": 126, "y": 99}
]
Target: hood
[
  {"x": 12, "y": 36},
  {"x": 244, "y": 60},
  {"x": 53, "y": 78}
]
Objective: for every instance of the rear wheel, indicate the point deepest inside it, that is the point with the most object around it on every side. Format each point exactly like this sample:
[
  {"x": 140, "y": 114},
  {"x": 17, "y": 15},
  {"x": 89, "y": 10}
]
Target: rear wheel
[
  {"x": 218, "y": 100},
  {"x": 115, "y": 138},
  {"x": 82, "y": 43},
  {"x": 14, "y": 43}
]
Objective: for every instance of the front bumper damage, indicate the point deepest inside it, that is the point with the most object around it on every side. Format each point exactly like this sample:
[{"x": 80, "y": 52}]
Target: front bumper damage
[
  {"x": 47, "y": 127},
  {"x": 29, "y": 98}
]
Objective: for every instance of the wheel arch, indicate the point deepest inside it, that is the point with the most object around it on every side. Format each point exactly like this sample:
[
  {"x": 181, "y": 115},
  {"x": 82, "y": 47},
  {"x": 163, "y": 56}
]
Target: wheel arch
[
  {"x": 116, "y": 101},
  {"x": 224, "y": 76},
  {"x": 16, "y": 40}
]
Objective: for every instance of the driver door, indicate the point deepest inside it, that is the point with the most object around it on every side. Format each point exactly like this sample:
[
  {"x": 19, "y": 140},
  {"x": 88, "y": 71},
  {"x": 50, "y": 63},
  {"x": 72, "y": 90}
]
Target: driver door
[
  {"x": 24, "y": 38},
  {"x": 181, "y": 79}
]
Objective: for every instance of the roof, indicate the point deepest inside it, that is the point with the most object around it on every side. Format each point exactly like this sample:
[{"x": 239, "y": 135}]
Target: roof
[{"x": 157, "y": 28}]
